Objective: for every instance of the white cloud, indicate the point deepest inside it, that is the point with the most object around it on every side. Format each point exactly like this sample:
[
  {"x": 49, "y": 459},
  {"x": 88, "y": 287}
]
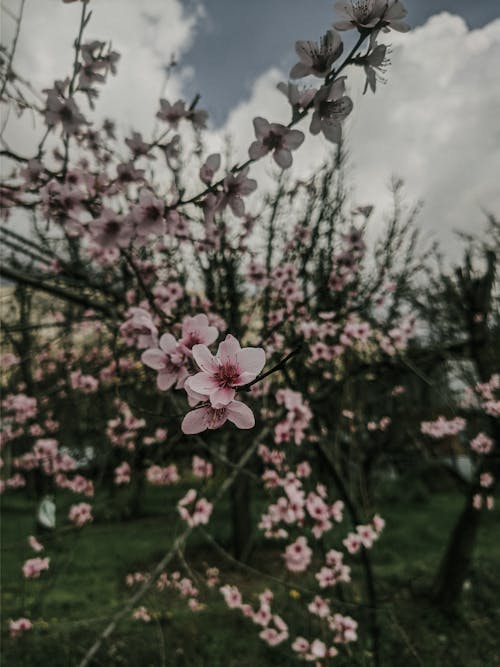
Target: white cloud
[{"x": 434, "y": 124}]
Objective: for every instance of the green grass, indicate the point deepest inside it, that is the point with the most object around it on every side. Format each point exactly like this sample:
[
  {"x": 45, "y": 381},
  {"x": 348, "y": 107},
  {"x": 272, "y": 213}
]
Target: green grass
[{"x": 73, "y": 602}]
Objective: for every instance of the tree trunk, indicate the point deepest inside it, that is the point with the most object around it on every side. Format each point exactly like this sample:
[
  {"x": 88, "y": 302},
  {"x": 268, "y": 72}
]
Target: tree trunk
[
  {"x": 241, "y": 513},
  {"x": 455, "y": 565}
]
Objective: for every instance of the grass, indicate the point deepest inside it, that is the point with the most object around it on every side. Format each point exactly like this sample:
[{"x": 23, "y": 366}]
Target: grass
[{"x": 86, "y": 584}]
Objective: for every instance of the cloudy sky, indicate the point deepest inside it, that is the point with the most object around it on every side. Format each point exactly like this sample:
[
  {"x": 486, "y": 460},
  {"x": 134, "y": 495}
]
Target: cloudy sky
[{"x": 434, "y": 124}]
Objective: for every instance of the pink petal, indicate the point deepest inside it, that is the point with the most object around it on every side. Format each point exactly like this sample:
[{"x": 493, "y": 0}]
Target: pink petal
[
  {"x": 240, "y": 414},
  {"x": 261, "y": 126},
  {"x": 168, "y": 343},
  {"x": 221, "y": 397},
  {"x": 204, "y": 358},
  {"x": 165, "y": 380},
  {"x": 283, "y": 158},
  {"x": 228, "y": 350},
  {"x": 257, "y": 150},
  {"x": 155, "y": 359},
  {"x": 196, "y": 421},
  {"x": 203, "y": 383},
  {"x": 252, "y": 360}
]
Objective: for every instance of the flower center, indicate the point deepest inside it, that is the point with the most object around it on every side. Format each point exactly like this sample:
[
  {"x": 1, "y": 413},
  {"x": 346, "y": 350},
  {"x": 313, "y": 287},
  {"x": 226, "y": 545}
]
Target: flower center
[{"x": 227, "y": 375}]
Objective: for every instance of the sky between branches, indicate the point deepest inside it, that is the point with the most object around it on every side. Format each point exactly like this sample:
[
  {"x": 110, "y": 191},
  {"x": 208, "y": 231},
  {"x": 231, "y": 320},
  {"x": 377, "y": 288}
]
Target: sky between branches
[{"x": 434, "y": 124}]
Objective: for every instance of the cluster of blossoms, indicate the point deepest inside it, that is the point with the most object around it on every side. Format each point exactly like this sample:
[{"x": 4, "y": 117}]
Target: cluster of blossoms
[
  {"x": 123, "y": 430},
  {"x": 297, "y": 419},
  {"x": 162, "y": 476},
  {"x": 215, "y": 385},
  {"x": 442, "y": 427},
  {"x": 274, "y": 629},
  {"x": 169, "y": 359},
  {"x": 194, "y": 511}
]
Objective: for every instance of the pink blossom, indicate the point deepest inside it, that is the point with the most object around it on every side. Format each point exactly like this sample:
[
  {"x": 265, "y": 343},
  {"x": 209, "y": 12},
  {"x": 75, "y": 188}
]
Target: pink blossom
[
  {"x": 486, "y": 480},
  {"x": 317, "y": 59},
  {"x": 319, "y": 607},
  {"x": 221, "y": 375},
  {"x": 199, "y": 514},
  {"x": 149, "y": 214},
  {"x": 162, "y": 476},
  {"x": 196, "y": 331},
  {"x": 481, "y": 444},
  {"x": 80, "y": 514},
  {"x": 232, "y": 596},
  {"x": 111, "y": 229},
  {"x": 34, "y": 566},
  {"x": 18, "y": 626},
  {"x": 234, "y": 188},
  {"x": 298, "y": 555},
  {"x": 276, "y": 138},
  {"x": 345, "y": 627},
  {"x": 168, "y": 360},
  {"x": 141, "y": 614},
  {"x": 371, "y": 14},
  {"x": 122, "y": 474},
  {"x": 202, "y": 468}
]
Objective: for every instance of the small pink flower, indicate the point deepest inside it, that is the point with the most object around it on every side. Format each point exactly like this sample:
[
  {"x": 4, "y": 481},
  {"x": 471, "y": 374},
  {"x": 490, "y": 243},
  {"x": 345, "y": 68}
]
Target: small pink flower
[
  {"x": 34, "y": 566},
  {"x": 80, "y": 514},
  {"x": 20, "y": 625},
  {"x": 141, "y": 614},
  {"x": 276, "y": 138},
  {"x": 298, "y": 555},
  {"x": 168, "y": 361}
]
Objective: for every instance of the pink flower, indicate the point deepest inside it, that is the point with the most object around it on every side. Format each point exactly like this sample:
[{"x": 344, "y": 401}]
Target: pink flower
[
  {"x": 80, "y": 514},
  {"x": 203, "y": 418},
  {"x": 20, "y": 625},
  {"x": 232, "y": 596},
  {"x": 34, "y": 566},
  {"x": 168, "y": 361},
  {"x": 195, "y": 331},
  {"x": 234, "y": 188},
  {"x": 276, "y": 138},
  {"x": 232, "y": 367},
  {"x": 319, "y": 607},
  {"x": 331, "y": 107},
  {"x": 317, "y": 59},
  {"x": 149, "y": 214},
  {"x": 202, "y": 468},
  {"x": 481, "y": 444},
  {"x": 201, "y": 512},
  {"x": 486, "y": 480},
  {"x": 111, "y": 229},
  {"x": 298, "y": 555},
  {"x": 141, "y": 614},
  {"x": 368, "y": 14},
  {"x": 122, "y": 474}
]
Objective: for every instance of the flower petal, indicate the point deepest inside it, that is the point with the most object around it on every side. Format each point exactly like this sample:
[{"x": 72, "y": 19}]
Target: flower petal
[
  {"x": 240, "y": 415},
  {"x": 155, "y": 359},
  {"x": 204, "y": 358},
  {"x": 252, "y": 360},
  {"x": 196, "y": 421}
]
